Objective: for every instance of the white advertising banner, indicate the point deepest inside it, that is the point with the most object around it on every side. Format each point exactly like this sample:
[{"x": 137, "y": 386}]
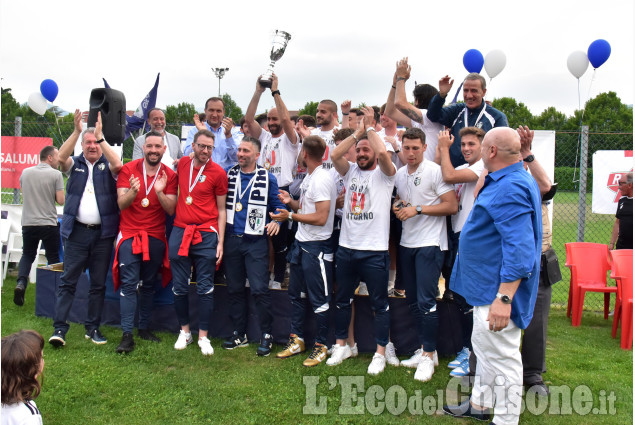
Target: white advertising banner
[{"x": 608, "y": 167}]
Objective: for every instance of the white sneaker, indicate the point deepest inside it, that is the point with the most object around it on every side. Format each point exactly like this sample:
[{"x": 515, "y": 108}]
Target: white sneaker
[
  {"x": 206, "y": 346},
  {"x": 362, "y": 289},
  {"x": 246, "y": 283},
  {"x": 354, "y": 351},
  {"x": 425, "y": 369},
  {"x": 340, "y": 353},
  {"x": 391, "y": 356},
  {"x": 274, "y": 285},
  {"x": 413, "y": 361},
  {"x": 183, "y": 341},
  {"x": 331, "y": 349},
  {"x": 378, "y": 364},
  {"x": 435, "y": 358}
]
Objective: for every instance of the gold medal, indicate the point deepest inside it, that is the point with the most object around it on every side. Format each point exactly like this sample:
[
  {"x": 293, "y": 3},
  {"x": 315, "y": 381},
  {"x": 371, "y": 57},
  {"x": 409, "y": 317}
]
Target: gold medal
[
  {"x": 357, "y": 210},
  {"x": 239, "y": 207},
  {"x": 188, "y": 200},
  {"x": 267, "y": 165},
  {"x": 145, "y": 202}
]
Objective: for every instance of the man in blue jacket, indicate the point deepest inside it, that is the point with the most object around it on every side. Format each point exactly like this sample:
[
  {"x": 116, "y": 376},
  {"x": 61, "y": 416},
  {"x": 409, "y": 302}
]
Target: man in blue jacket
[
  {"x": 89, "y": 226},
  {"x": 473, "y": 113}
]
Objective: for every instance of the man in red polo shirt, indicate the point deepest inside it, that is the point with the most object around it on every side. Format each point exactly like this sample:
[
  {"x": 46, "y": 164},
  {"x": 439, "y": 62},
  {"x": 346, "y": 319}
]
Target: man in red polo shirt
[
  {"x": 146, "y": 190},
  {"x": 197, "y": 236}
]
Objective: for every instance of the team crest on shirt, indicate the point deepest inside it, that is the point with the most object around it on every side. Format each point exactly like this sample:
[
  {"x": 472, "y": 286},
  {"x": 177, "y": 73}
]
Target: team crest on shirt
[
  {"x": 101, "y": 166},
  {"x": 202, "y": 179},
  {"x": 255, "y": 218},
  {"x": 417, "y": 181},
  {"x": 479, "y": 125}
]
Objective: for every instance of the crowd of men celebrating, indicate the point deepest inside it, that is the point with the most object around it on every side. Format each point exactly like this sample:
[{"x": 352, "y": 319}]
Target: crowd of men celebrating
[{"x": 449, "y": 195}]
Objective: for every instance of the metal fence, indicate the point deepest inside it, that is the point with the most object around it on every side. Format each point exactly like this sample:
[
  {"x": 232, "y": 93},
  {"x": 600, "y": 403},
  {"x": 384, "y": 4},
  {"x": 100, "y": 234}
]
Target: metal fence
[{"x": 572, "y": 218}]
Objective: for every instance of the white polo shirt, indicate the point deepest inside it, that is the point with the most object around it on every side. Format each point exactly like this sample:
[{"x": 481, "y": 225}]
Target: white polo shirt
[
  {"x": 423, "y": 187},
  {"x": 465, "y": 195},
  {"x": 316, "y": 187}
]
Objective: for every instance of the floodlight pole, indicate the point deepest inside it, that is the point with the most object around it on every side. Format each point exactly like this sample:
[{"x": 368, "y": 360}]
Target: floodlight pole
[{"x": 220, "y": 73}]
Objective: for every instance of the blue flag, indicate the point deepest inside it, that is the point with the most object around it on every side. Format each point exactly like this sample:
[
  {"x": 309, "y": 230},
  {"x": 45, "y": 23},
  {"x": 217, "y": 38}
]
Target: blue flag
[
  {"x": 106, "y": 85},
  {"x": 138, "y": 119}
]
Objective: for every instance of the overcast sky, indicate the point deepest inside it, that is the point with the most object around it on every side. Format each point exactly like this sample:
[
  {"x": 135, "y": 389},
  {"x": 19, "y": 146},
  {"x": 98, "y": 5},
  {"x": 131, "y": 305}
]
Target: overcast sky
[{"x": 339, "y": 49}]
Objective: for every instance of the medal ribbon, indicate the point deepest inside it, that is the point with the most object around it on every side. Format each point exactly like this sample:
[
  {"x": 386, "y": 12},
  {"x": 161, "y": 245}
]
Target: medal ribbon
[
  {"x": 145, "y": 178},
  {"x": 198, "y": 176}
]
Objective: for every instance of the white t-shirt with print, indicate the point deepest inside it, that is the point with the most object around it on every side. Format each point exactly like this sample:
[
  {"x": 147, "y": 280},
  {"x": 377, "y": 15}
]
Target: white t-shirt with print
[
  {"x": 278, "y": 155},
  {"x": 431, "y": 130},
  {"x": 366, "y": 218},
  {"x": 465, "y": 195}
]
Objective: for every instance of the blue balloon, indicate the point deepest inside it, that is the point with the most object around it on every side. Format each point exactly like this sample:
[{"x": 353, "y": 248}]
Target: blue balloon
[
  {"x": 49, "y": 89},
  {"x": 599, "y": 51},
  {"x": 473, "y": 61}
]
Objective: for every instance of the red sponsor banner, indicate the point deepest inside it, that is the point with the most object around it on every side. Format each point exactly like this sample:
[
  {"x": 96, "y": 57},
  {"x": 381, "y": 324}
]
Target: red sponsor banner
[{"x": 17, "y": 154}]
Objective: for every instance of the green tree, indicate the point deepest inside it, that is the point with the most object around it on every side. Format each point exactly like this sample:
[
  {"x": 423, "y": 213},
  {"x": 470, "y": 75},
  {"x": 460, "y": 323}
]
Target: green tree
[
  {"x": 9, "y": 105},
  {"x": 180, "y": 114},
  {"x": 517, "y": 113},
  {"x": 606, "y": 112},
  {"x": 310, "y": 108},
  {"x": 550, "y": 119},
  {"x": 232, "y": 110}
]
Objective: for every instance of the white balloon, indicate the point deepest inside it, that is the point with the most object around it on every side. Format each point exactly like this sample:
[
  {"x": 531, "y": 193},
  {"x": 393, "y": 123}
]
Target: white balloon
[
  {"x": 37, "y": 102},
  {"x": 495, "y": 62},
  {"x": 578, "y": 62}
]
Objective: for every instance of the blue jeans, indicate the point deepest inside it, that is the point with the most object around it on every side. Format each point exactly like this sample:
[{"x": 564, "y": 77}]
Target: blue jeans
[
  {"x": 421, "y": 268},
  {"x": 137, "y": 282},
  {"x": 83, "y": 249},
  {"x": 368, "y": 266},
  {"x": 203, "y": 256},
  {"x": 311, "y": 277},
  {"x": 248, "y": 258}
]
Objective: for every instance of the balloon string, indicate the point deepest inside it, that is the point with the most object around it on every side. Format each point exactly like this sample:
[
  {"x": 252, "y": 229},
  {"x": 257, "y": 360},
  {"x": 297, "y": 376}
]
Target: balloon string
[{"x": 58, "y": 128}]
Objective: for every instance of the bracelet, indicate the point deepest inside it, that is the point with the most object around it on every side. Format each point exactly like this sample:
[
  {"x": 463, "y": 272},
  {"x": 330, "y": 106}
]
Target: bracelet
[
  {"x": 394, "y": 87},
  {"x": 355, "y": 137},
  {"x": 401, "y": 79},
  {"x": 398, "y": 150},
  {"x": 290, "y": 215},
  {"x": 100, "y": 140},
  {"x": 371, "y": 129},
  {"x": 275, "y": 92}
]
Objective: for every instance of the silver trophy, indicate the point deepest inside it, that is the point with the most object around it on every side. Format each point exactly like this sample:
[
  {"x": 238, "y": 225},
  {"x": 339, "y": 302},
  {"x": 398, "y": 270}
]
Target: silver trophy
[{"x": 279, "y": 45}]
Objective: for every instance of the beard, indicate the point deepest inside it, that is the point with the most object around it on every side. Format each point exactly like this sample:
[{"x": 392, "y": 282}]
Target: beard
[
  {"x": 275, "y": 129},
  {"x": 367, "y": 166},
  {"x": 153, "y": 162}
]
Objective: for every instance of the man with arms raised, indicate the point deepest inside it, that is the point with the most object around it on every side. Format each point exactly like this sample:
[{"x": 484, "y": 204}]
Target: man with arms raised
[
  {"x": 424, "y": 200},
  {"x": 279, "y": 153},
  {"x": 497, "y": 271},
  {"x": 473, "y": 113},
  {"x": 223, "y": 130},
  {"x": 197, "y": 237},
  {"x": 363, "y": 251},
  {"x": 156, "y": 120},
  {"x": 252, "y": 195},
  {"x": 326, "y": 119},
  {"x": 312, "y": 253},
  {"x": 89, "y": 226},
  {"x": 146, "y": 190}
]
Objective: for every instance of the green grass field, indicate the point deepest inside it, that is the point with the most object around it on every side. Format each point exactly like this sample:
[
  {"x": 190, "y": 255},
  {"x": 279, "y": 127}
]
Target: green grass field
[{"x": 157, "y": 385}]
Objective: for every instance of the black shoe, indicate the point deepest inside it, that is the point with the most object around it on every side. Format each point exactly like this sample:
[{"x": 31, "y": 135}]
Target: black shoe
[
  {"x": 96, "y": 337},
  {"x": 236, "y": 341},
  {"x": 539, "y": 388},
  {"x": 18, "y": 293},
  {"x": 264, "y": 349},
  {"x": 148, "y": 335},
  {"x": 58, "y": 339},
  {"x": 127, "y": 343},
  {"x": 465, "y": 410}
]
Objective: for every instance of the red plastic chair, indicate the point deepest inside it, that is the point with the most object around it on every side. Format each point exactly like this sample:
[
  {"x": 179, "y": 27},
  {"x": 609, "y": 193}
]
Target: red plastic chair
[
  {"x": 622, "y": 272},
  {"x": 589, "y": 263}
]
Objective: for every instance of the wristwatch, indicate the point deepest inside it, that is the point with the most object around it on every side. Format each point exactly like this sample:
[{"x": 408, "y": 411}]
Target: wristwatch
[
  {"x": 505, "y": 299},
  {"x": 530, "y": 158},
  {"x": 418, "y": 209}
]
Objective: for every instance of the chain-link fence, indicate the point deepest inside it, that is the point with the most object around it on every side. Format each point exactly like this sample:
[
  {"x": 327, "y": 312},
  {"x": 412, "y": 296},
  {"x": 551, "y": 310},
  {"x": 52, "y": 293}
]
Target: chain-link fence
[{"x": 567, "y": 216}]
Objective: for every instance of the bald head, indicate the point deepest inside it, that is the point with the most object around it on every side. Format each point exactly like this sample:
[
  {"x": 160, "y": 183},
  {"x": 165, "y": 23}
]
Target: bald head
[{"x": 501, "y": 147}]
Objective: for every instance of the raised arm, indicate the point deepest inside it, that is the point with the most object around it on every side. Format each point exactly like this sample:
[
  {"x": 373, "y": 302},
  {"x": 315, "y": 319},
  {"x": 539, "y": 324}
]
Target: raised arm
[
  {"x": 250, "y": 115},
  {"x": 337, "y": 155},
  {"x": 537, "y": 172},
  {"x": 67, "y": 148},
  {"x": 384, "y": 159},
  {"x": 436, "y": 111},
  {"x": 114, "y": 161},
  {"x": 401, "y": 102},
  {"x": 283, "y": 112},
  {"x": 451, "y": 175}
]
